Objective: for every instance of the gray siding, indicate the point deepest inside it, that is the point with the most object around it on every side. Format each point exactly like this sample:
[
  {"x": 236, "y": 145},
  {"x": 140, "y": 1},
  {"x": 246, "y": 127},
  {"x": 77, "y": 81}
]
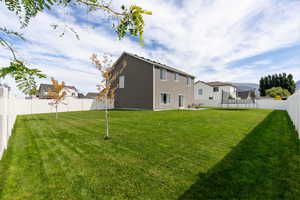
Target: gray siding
[
  {"x": 174, "y": 88},
  {"x": 138, "y": 90}
]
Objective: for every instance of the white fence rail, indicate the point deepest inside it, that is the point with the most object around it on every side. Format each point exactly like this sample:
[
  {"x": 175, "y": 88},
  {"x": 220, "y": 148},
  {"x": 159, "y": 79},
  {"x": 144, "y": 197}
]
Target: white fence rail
[{"x": 11, "y": 106}]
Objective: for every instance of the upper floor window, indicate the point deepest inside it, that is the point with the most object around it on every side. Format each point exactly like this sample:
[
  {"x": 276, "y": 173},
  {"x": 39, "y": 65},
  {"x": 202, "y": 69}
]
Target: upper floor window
[
  {"x": 200, "y": 91},
  {"x": 163, "y": 74},
  {"x": 216, "y": 89},
  {"x": 121, "y": 81},
  {"x": 188, "y": 81},
  {"x": 176, "y": 76}
]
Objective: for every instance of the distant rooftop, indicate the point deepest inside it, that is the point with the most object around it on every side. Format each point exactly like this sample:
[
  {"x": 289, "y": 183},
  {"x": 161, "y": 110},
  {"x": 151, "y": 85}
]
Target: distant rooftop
[
  {"x": 44, "y": 87},
  {"x": 91, "y": 95},
  {"x": 158, "y": 64},
  {"x": 216, "y": 83}
]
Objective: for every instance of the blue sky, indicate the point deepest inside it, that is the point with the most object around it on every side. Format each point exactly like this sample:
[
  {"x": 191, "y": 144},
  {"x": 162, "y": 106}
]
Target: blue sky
[{"x": 216, "y": 40}]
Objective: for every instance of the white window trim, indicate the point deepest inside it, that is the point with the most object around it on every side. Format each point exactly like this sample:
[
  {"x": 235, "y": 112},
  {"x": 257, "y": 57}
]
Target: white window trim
[
  {"x": 182, "y": 99},
  {"x": 176, "y": 75},
  {"x": 160, "y": 98},
  {"x": 189, "y": 81},
  {"x": 166, "y": 77},
  {"x": 216, "y": 87},
  {"x": 121, "y": 86},
  {"x": 201, "y": 91}
]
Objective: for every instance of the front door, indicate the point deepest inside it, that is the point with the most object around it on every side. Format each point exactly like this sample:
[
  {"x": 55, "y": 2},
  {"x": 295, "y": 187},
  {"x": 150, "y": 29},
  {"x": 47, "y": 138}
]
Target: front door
[{"x": 180, "y": 101}]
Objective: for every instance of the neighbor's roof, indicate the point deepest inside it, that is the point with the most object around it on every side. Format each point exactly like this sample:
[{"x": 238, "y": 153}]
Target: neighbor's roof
[
  {"x": 157, "y": 64},
  {"x": 44, "y": 87},
  {"x": 91, "y": 95},
  {"x": 4, "y": 85},
  {"x": 218, "y": 83},
  {"x": 243, "y": 94}
]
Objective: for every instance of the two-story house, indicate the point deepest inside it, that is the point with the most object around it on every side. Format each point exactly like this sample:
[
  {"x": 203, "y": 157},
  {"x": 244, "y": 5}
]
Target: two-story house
[
  {"x": 71, "y": 91},
  {"x": 211, "y": 93},
  {"x": 146, "y": 84}
]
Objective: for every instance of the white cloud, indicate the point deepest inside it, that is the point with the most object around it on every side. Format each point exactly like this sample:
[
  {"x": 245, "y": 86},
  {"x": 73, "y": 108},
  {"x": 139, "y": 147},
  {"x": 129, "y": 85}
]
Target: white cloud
[
  {"x": 263, "y": 62},
  {"x": 193, "y": 35}
]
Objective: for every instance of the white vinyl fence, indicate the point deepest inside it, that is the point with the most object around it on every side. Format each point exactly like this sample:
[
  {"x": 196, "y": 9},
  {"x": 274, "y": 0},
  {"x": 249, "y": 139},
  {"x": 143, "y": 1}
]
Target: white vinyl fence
[
  {"x": 293, "y": 109},
  {"x": 262, "y": 104},
  {"x": 11, "y": 106}
]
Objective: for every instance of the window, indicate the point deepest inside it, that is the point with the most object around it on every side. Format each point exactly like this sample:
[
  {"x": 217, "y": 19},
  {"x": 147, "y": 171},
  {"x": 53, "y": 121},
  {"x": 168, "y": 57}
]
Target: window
[
  {"x": 216, "y": 89},
  {"x": 211, "y": 98},
  {"x": 176, "y": 77},
  {"x": 165, "y": 98},
  {"x": 200, "y": 91},
  {"x": 163, "y": 74},
  {"x": 188, "y": 81},
  {"x": 121, "y": 81},
  {"x": 73, "y": 94}
]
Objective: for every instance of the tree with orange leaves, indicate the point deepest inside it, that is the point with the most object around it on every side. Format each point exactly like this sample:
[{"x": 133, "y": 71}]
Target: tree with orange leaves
[
  {"x": 108, "y": 85},
  {"x": 58, "y": 95}
]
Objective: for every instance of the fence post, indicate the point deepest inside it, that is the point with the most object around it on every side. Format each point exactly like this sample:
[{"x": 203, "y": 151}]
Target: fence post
[{"x": 3, "y": 119}]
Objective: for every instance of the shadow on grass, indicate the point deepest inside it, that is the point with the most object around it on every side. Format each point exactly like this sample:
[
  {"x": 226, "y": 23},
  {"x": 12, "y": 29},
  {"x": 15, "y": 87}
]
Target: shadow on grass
[{"x": 264, "y": 165}]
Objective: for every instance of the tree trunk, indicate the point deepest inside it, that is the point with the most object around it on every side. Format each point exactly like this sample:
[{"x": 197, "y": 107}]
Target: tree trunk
[
  {"x": 31, "y": 105},
  {"x": 56, "y": 115},
  {"x": 106, "y": 118}
]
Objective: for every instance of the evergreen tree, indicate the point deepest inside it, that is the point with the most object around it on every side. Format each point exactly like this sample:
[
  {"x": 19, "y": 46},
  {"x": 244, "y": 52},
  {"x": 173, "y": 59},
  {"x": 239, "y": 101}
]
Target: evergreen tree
[
  {"x": 277, "y": 80},
  {"x": 262, "y": 86},
  {"x": 291, "y": 84}
]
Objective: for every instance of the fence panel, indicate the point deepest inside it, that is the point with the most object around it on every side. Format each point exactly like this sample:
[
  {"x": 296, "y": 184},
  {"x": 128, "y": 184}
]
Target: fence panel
[
  {"x": 7, "y": 119},
  {"x": 293, "y": 109},
  {"x": 11, "y": 106}
]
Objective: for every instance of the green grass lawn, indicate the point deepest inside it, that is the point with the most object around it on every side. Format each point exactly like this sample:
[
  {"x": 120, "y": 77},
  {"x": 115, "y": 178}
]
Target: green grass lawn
[{"x": 206, "y": 154}]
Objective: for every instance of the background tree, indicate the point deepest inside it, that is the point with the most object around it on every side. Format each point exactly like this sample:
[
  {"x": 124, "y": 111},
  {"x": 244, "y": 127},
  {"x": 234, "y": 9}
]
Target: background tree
[
  {"x": 58, "y": 95},
  {"x": 108, "y": 85},
  {"x": 291, "y": 85},
  {"x": 277, "y": 92},
  {"x": 277, "y": 80}
]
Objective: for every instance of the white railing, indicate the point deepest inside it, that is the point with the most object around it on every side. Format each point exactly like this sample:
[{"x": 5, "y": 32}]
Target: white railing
[
  {"x": 293, "y": 109},
  {"x": 11, "y": 106}
]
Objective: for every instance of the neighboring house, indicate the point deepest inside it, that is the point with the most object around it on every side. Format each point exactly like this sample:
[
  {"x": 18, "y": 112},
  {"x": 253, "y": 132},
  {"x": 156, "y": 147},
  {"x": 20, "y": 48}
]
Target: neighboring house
[
  {"x": 3, "y": 88},
  {"x": 81, "y": 96},
  {"x": 44, "y": 88},
  {"x": 91, "y": 95},
  {"x": 245, "y": 94},
  {"x": 211, "y": 93},
  {"x": 3, "y": 85},
  {"x": 146, "y": 84}
]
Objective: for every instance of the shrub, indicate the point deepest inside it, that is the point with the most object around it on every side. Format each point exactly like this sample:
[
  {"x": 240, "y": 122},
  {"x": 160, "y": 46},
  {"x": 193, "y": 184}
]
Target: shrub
[{"x": 277, "y": 91}]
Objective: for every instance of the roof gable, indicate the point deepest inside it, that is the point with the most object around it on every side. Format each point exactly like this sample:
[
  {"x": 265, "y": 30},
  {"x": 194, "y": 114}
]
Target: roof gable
[{"x": 154, "y": 63}]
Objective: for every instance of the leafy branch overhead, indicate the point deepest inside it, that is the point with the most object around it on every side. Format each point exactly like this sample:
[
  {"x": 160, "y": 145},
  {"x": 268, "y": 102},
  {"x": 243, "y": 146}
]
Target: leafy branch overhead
[
  {"x": 5, "y": 43},
  {"x": 24, "y": 76},
  {"x": 130, "y": 19}
]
